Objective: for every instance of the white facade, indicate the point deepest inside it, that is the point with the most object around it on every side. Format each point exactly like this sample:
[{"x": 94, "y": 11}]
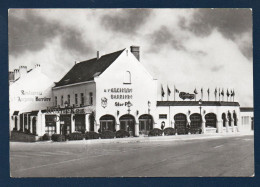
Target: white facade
[{"x": 30, "y": 91}]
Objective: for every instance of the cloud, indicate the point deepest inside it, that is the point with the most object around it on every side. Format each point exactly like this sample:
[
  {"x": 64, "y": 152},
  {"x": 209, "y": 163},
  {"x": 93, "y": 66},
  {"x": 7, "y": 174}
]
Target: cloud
[
  {"x": 126, "y": 21},
  {"x": 164, "y": 36},
  {"x": 231, "y": 23},
  {"x": 30, "y": 32}
]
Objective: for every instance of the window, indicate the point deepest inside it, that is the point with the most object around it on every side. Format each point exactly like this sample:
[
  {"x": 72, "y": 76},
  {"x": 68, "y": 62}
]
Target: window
[
  {"x": 76, "y": 99},
  {"x": 91, "y": 98},
  {"x": 50, "y": 125},
  {"x": 82, "y": 98},
  {"x": 69, "y": 100},
  {"x": 61, "y": 102},
  {"x": 127, "y": 78},
  {"x": 56, "y": 101},
  {"x": 80, "y": 123}
]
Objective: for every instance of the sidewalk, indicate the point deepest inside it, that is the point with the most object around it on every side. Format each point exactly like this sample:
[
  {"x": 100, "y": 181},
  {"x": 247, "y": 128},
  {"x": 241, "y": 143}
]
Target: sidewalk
[{"x": 153, "y": 139}]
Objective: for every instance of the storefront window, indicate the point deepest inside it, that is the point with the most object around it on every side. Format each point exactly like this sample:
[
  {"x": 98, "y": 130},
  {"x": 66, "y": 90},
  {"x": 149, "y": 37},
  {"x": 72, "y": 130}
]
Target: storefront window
[
  {"x": 50, "y": 124},
  {"x": 80, "y": 123}
]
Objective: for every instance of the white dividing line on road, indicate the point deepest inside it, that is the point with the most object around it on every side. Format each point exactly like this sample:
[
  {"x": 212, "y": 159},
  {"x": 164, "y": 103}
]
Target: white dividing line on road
[
  {"x": 57, "y": 163},
  {"x": 218, "y": 146}
]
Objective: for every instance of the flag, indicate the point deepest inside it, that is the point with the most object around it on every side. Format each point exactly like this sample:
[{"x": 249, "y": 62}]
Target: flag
[
  {"x": 201, "y": 90},
  {"x": 233, "y": 93},
  {"x": 162, "y": 92},
  {"x": 228, "y": 93},
  {"x": 208, "y": 91},
  {"x": 168, "y": 90},
  {"x": 176, "y": 90},
  {"x": 216, "y": 91},
  {"x": 195, "y": 91},
  {"x": 222, "y": 92}
]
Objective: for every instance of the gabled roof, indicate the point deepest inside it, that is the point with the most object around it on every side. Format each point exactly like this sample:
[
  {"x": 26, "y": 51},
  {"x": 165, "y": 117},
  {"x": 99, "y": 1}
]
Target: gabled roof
[
  {"x": 87, "y": 70},
  {"x": 196, "y": 103}
]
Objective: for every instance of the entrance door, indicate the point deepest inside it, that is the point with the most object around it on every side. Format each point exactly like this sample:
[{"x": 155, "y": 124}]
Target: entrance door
[
  {"x": 145, "y": 124},
  {"x": 66, "y": 126},
  {"x": 180, "y": 123},
  {"x": 107, "y": 122},
  {"x": 127, "y": 123},
  {"x": 196, "y": 122}
]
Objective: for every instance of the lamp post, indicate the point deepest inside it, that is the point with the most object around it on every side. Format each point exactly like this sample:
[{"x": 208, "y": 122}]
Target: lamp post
[
  {"x": 200, "y": 103},
  {"x": 149, "y": 105},
  {"x": 129, "y": 104}
]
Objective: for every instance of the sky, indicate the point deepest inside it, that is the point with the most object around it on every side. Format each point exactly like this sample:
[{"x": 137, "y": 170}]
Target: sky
[{"x": 185, "y": 48}]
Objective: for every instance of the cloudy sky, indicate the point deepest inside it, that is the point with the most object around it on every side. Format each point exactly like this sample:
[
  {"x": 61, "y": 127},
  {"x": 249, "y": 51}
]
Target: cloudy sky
[{"x": 187, "y": 48}]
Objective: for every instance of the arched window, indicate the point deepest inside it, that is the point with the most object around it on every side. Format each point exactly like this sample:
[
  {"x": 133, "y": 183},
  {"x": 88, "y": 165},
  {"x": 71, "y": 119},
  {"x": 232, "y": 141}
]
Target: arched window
[
  {"x": 211, "y": 120},
  {"x": 127, "y": 78}
]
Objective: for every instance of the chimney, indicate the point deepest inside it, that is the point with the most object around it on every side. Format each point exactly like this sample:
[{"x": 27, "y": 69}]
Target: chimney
[
  {"x": 23, "y": 70},
  {"x": 16, "y": 74},
  {"x": 136, "y": 51},
  {"x": 11, "y": 76},
  {"x": 97, "y": 55}
]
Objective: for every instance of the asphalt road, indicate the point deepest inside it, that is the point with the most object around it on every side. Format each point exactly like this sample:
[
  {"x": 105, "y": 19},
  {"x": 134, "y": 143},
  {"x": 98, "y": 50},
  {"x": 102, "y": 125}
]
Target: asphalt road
[{"x": 225, "y": 156}]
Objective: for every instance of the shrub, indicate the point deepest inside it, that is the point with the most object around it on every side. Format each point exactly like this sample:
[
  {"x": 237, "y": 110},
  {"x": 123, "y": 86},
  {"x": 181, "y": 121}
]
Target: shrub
[
  {"x": 122, "y": 134},
  {"x": 181, "y": 131},
  {"x": 14, "y": 129},
  {"x": 27, "y": 131},
  {"x": 46, "y": 137},
  {"x": 107, "y": 134},
  {"x": 169, "y": 131},
  {"x": 195, "y": 130},
  {"x": 75, "y": 136},
  {"x": 58, "y": 137},
  {"x": 20, "y": 130},
  {"x": 155, "y": 132},
  {"x": 91, "y": 135}
]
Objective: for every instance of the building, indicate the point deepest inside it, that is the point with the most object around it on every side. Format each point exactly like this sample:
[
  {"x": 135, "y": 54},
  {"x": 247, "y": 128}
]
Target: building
[
  {"x": 113, "y": 92},
  {"x": 200, "y": 116},
  {"x": 29, "y": 92},
  {"x": 110, "y": 92},
  {"x": 247, "y": 118}
]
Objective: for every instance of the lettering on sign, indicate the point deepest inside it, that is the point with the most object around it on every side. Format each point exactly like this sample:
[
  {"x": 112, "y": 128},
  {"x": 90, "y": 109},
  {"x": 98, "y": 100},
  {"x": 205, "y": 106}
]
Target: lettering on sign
[
  {"x": 120, "y": 93},
  {"x": 184, "y": 95}
]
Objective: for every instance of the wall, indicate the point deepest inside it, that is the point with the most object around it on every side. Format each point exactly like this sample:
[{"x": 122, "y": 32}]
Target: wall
[
  {"x": 143, "y": 86},
  {"x": 246, "y": 124},
  {"x": 188, "y": 110},
  {"x": 71, "y": 90}
]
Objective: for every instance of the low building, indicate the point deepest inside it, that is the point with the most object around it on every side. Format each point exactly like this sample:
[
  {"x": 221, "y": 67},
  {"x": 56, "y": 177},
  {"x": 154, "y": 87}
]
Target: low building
[
  {"x": 247, "y": 118},
  {"x": 29, "y": 92}
]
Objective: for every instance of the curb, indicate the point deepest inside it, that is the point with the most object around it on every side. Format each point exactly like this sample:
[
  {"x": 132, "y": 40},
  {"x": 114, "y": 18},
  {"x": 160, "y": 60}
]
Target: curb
[{"x": 150, "y": 139}]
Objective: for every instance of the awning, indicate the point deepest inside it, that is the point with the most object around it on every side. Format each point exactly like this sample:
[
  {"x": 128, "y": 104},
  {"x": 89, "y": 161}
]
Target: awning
[{"x": 15, "y": 113}]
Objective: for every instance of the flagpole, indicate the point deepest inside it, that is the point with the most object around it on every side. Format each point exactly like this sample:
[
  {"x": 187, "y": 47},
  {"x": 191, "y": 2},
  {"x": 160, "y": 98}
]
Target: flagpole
[
  {"x": 174, "y": 92},
  {"x": 167, "y": 92}
]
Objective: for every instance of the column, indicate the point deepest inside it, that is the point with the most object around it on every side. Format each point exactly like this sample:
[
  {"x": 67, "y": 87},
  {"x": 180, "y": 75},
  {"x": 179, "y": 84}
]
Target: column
[
  {"x": 117, "y": 127},
  {"x": 28, "y": 128},
  {"x": 203, "y": 126},
  {"x": 226, "y": 123},
  {"x": 219, "y": 126},
  {"x": 18, "y": 123},
  {"x": 232, "y": 124},
  {"x": 23, "y": 123},
  {"x": 136, "y": 129},
  {"x": 58, "y": 124},
  {"x": 72, "y": 118},
  {"x": 87, "y": 122},
  {"x": 238, "y": 125},
  {"x": 31, "y": 119}
]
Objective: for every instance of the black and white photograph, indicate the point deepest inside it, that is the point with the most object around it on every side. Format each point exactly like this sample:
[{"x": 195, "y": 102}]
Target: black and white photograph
[{"x": 131, "y": 92}]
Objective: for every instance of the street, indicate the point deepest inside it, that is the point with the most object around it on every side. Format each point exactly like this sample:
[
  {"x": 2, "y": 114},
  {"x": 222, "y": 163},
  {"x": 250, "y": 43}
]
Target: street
[{"x": 224, "y": 156}]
